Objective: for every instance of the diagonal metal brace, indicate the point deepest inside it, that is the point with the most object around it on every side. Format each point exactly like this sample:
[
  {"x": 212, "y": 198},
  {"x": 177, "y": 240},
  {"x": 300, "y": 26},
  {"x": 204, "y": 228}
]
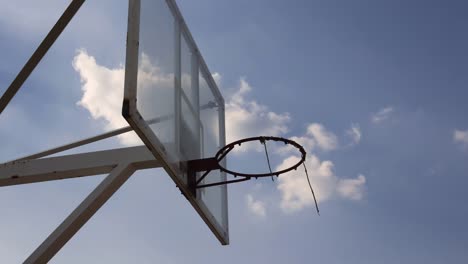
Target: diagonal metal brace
[
  {"x": 78, "y": 218},
  {"x": 41, "y": 50}
]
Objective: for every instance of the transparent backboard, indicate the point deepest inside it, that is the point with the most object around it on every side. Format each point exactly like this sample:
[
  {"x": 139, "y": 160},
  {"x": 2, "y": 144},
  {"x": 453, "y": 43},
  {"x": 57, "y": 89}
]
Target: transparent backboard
[{"x": 173, "y": 103}]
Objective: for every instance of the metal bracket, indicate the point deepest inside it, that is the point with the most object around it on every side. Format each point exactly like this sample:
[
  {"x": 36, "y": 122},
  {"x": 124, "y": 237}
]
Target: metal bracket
[
  {"x": 206, "y": 165},
  {"x": 199, "y": 165}
]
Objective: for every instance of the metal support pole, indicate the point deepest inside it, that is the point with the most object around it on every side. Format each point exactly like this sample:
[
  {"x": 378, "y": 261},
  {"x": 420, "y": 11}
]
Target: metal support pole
[
  {"x": 81, "y": 214},
  {"x": 76, "y": 165},
  {"x": 76, "y": 144},
  {"x": 41, "y": 50}
]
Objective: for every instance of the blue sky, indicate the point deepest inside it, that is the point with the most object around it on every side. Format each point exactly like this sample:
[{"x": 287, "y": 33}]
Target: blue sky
[{"x": 376, "y": 90}]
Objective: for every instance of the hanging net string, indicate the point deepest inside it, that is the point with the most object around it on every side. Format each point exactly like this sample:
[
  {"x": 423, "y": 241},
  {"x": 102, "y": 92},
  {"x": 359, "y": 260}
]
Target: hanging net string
[
  {"x": 311, "y": 189},
  {"x": 305, "y": 169},
  {"x": 267, "y": 157}
]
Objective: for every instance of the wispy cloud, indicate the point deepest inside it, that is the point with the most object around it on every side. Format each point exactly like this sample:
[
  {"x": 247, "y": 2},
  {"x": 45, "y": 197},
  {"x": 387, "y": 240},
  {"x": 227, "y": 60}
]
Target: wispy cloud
[
  {"x": 461, "y": 137},
  {"x": 354, "y": 133},
  {"x": 382, "y": 115},
  {"x": 256, "y": 207}
]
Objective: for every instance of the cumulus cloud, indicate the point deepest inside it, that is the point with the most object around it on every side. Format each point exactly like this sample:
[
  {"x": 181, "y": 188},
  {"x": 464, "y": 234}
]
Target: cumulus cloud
[
  {"x": 461, "y": 137},
  {"x": 293, "y": 186},
  {"x": 102, "y": 96},
  {"x": 325, "y": 140},
  {"x": 354, "y": 133},
  {"x": 256, "y": 207},
  {"x": 352, "y": 188},
  {"x": 382, "y": 115},
  {"x": 307, "y": 142},
  {"x": 102, "y": 93},
  {"x": 316, "y": 137},
  {"x": 247, "y": 118},
  {"x": 295, "y": 191}
]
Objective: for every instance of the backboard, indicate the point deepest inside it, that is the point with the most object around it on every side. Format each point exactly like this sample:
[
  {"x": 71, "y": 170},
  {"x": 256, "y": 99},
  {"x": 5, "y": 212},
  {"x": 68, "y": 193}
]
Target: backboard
[{"x": 173, "y": 104}]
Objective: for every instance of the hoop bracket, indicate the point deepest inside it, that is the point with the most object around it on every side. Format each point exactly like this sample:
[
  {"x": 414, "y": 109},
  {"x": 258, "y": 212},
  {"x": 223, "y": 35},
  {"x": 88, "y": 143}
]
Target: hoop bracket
[
  {"x": 213, "y": 163},
  {"x": 199, "y": 165},
  {"x": 202, "y": 164},
  {"x": 205, "y": 165}
]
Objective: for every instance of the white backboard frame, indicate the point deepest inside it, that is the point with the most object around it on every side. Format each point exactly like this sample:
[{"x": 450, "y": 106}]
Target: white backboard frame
[{"x": 141, "y": 127}]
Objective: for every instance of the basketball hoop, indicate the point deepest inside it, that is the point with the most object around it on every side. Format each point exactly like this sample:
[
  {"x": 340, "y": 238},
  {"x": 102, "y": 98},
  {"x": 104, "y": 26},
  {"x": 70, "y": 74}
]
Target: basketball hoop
[
  {"x": 229, "y": 147},
  {"x": 214, "y": 163}
]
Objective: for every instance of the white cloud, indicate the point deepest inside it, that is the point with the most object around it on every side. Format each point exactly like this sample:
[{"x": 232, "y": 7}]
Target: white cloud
[
  {"x": 305, "y": 141},
  {"x": 354, "y": 132},
  {"x": 317, "y": 136},
  {"x": 217, "y": 78},
  {"x": 325, "y": 140},
  {"x": 102, "y": 93},
  {"x": 382, "y": 115},
  {"x": 460, "y": 136},
  {"x": 247, "y": 118},
  {"x": 256, "y": 207},
  {"x": 295, "y": 191},
  {"x": 352, "y": 188}
]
